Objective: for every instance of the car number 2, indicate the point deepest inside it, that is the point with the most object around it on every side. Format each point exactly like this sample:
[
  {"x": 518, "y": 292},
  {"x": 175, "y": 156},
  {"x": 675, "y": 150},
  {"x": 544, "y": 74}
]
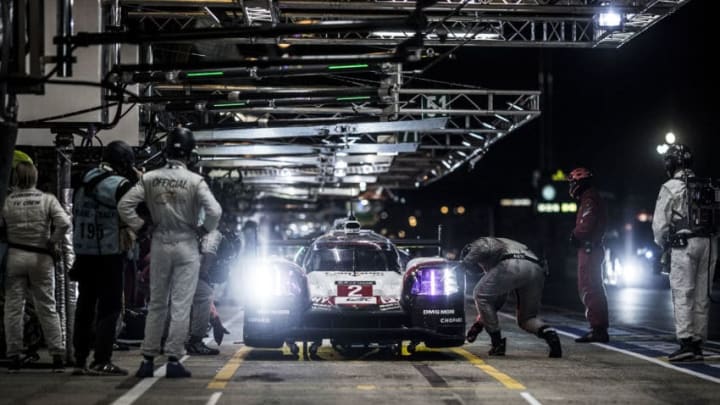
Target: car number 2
[{"x": 354, "y": 290}]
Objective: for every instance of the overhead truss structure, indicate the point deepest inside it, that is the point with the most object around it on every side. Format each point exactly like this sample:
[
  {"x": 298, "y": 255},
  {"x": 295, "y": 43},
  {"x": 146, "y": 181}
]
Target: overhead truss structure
[
  {"x": 335, "y": 115},
  {"x": 518, "y": 23}
]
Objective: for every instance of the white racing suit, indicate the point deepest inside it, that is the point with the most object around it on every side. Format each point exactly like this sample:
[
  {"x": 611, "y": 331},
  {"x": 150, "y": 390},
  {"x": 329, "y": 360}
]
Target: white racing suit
[
  {"x": 509, "y": 266},
  {"x": 200, "y": 317},
  {"x": 174, "y": 196},
  {"x": 691, "y": 267},
  {"x": 29, "y": 215}
]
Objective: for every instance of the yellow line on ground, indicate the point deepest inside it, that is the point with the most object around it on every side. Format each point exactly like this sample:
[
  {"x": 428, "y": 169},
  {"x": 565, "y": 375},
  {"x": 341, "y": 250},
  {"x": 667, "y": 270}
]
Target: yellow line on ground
[
  {"x": 504, "y": 379},
  {"x": 228, "y": 371}
]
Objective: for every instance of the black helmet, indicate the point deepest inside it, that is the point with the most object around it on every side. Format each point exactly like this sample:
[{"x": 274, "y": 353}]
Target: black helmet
[
  {"x": 119, "y": 155},
  {"x": 180, "y": 143},
  {"x": 676, "y": 158}
]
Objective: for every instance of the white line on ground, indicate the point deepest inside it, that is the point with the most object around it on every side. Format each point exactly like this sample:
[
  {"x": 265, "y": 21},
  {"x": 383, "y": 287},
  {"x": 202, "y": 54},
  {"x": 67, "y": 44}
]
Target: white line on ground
[
  {"x": 136, "y": 391},
  {"x": 530, "y": 399},
  {"x": 214, "y": 398},
  {"x": 648, "y": 358},
  {"x": 141, "y": 387},
  {"x": 636, "y": 355}
]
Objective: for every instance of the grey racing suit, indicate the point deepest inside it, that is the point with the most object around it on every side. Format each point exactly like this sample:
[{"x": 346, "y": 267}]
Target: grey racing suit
[
  {"x": 200, "y": 317},
  {"x": 508, "y": 266},
  {"x": 691, "y": 267},
  {"x": 29, "y": 214},
  {"x": 174, "y": 196}
]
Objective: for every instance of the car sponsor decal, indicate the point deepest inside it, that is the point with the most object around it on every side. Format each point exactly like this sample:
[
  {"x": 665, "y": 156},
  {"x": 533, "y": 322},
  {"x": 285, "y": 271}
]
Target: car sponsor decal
[
  {"x": 355, "y": 300},
  {"x": 438, "y": 312},
  {"x": 354, "y": 282}
]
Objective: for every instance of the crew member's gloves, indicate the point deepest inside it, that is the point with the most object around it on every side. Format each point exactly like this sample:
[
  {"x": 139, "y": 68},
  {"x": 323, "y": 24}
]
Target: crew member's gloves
[
  {"x": 474, "y": 331},
  {"x": 219, "y": 330},
  {"x": 575, "y": 242},
  {"x": 127, "y": 238},
  {"x": 54, "y": 249},
  {"x": 201, "y": 231}
]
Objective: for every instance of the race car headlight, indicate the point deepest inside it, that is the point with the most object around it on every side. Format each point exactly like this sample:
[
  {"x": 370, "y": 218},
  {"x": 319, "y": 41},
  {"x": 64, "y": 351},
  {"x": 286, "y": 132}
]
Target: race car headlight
[
  {"x": 266, "y": 281},
  {"x": 435, "y": 281},
  {"x": 631, "y": 271}
]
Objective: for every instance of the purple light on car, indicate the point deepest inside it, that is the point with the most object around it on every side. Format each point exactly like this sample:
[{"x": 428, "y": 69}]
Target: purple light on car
[
  {"x": 434, "y": 281},
  {"x": 433, "y": 286}
]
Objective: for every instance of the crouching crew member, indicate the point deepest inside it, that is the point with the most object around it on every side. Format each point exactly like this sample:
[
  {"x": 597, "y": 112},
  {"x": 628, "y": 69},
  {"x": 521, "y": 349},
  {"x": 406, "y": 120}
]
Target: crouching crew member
[{"x": 508, "y": 266}]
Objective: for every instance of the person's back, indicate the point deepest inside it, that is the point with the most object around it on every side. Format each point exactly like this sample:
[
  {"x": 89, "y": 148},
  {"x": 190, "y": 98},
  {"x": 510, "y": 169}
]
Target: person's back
[
  {"x": 175, "y": 197},
  {"x": 27, "y": 217}
]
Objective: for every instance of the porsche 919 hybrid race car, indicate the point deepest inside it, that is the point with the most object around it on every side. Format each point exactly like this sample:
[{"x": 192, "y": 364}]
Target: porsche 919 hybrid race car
[{"x": 356, "y": 288}]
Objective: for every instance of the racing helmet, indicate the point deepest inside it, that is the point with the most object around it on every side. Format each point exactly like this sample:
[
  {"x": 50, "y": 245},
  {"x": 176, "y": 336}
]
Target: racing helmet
[
  {"x": 119, "y": 155},
  {"x": 20, "y": 156},
  {"x": 677, "y": 157},
  {"x": 579, "y": 180},
  {"x": 180, "y": 143}
]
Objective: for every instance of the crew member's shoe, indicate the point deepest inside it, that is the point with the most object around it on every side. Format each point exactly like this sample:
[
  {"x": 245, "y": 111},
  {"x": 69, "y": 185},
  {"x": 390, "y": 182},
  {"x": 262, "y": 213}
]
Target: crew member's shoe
[
  {"x": 175, "y": 369},
  {"x": 58, "y": 365},
  {"x": 697, "y": 349},
  {"x": 146, "y": 369},
  {"x": 15, "y": 364},
  {"x": 686, "y": 352},
  {"x": 109, "y": 369},
  {"x": 474, "y": 331},
  {"x": 498, "y": 349},
  {"x": 199, "y": 348},
  {"x": 553, "y": 342},
  {"x": 595, "y": 335}
]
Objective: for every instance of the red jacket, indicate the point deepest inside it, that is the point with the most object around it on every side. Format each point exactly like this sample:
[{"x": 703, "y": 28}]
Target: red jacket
[{"x": 591, "y": 219}]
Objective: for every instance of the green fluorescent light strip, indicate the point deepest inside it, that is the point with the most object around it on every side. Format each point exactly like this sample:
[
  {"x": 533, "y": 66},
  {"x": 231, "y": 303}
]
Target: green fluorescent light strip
[
  {"x": 205, "y": 74},
  {"x": 340, "y": 67},
  {"x": 353, "y": 98},
  {"x": 229, "y": 105}
]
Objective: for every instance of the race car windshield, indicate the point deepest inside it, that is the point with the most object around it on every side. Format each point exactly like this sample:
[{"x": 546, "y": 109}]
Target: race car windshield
[{"x": 353, "y": 258}]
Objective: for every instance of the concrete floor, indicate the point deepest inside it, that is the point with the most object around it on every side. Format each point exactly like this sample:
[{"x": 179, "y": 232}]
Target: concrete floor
[{"x": 629, "y": 370}]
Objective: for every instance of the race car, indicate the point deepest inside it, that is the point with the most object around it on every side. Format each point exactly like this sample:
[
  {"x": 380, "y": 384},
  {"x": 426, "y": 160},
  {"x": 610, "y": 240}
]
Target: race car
[{"x": 356, "y": 288}]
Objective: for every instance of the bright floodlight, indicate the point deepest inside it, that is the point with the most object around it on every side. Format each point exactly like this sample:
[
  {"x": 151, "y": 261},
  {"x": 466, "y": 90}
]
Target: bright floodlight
[
  {"x": 670, "y": 138},
  {"x": 610, "y": 19},
  {"x": 661, "y": 149}
]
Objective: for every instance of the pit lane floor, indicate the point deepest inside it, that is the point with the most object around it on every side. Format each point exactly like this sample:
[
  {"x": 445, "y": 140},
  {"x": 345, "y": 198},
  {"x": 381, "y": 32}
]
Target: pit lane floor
[{"x": 587, "y": 374}]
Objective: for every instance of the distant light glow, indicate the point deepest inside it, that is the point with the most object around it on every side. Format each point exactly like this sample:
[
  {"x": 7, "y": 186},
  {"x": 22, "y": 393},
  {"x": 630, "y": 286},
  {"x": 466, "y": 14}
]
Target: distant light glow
[
  {"x": 460, "y": 210},
  {"x": 644, "y": 217},
  {"x": 548, "y": 192},
  {"x": 662, "y": 149},
  {"x": 515, "y": 202},
  {"x": 670, "y": 138},
  {"x": 649, "y": 254},
  {"x": 412, "y": 221},
  {"x": 444, "y": 209},
  {"x": 610, "y": 19},
  {"x": 401, "y": 234}
]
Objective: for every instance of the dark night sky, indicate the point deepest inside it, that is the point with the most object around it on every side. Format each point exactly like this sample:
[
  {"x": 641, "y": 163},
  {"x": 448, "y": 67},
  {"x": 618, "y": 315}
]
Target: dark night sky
[{"x": 610, "y": 109}]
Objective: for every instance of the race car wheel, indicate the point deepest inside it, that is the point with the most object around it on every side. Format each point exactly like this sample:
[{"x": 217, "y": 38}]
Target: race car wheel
[
  {"x": 294, "y": 348},
  {"x": 411, "y": 348},
  {"x": 314, "y": 348}
]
